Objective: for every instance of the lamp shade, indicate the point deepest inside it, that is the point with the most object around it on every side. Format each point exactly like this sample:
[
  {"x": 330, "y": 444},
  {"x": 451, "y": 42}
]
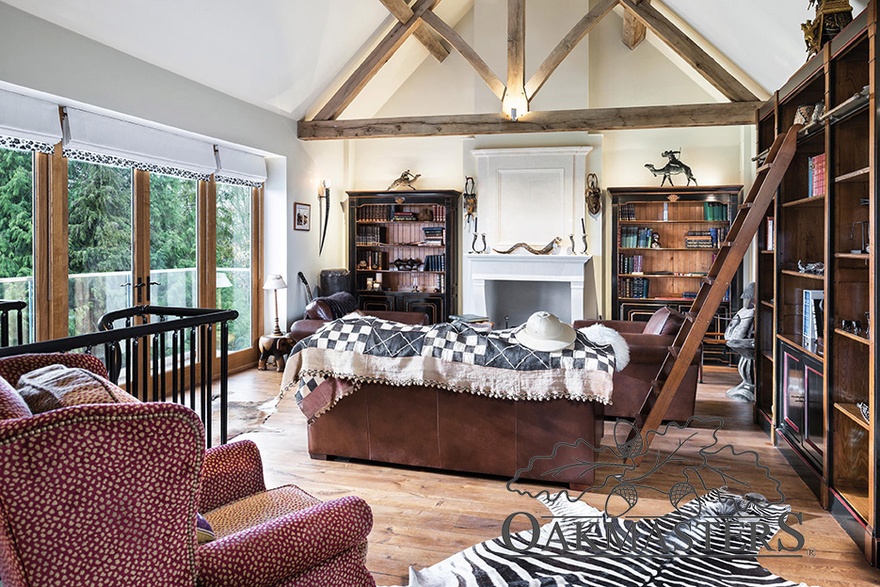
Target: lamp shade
[
  {"x": 223, "y": 280},
  {"x": 275, "y": 282}
]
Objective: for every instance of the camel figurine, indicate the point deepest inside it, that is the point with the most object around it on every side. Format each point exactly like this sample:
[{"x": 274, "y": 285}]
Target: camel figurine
[
  {"x": 406, "y": 179},
  {"x": 673, "y": 167}
]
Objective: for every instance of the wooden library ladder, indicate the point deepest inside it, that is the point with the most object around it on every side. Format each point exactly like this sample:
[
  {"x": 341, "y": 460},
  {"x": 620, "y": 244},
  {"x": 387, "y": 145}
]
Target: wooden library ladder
[{"x": 716, "y": 283}]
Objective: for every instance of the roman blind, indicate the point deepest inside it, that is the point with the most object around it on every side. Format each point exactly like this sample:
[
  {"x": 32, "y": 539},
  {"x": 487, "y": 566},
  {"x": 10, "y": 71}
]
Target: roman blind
[
  {"x": 240, "y": 167},
  {"x": 101, "y": 139},
  {"x": 28, "y": 123}
]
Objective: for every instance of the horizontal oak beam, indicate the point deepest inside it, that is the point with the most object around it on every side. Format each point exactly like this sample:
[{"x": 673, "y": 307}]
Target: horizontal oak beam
[
  {"x": 590, "y": 120},
  {"x": 402, "y": 12}
]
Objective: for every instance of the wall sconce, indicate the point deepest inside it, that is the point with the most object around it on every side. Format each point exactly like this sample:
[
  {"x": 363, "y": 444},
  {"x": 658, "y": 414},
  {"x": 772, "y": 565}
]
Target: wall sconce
[{"x": 515, "y": 105}]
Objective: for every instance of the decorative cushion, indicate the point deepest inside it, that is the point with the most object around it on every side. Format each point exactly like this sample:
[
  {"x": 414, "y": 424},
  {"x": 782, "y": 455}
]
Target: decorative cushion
[
  {"x": 664, "y": 321},
  {"x": 57, "y": 386},
  {"x": 11, "y": 403},
  {"x": 331, "y": 307},
  {"x": 204, "y": 531},
  {"x": 258, "y": 508}
]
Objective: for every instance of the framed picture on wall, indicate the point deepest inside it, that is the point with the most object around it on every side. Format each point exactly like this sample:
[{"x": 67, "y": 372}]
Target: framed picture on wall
[{"x": 302, "y": 216}]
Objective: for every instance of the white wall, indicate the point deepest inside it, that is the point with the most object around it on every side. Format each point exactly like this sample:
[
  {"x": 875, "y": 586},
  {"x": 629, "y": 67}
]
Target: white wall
[{"x": 46, "y": 58}]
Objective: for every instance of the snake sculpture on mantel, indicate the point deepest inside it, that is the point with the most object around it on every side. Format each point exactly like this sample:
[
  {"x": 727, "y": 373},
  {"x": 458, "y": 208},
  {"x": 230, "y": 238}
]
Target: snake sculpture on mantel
[{"x": 546, "y": 250}]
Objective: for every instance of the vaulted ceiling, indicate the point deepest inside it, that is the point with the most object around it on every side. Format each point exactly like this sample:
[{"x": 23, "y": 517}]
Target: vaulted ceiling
[{"x": 283, "y": 54}]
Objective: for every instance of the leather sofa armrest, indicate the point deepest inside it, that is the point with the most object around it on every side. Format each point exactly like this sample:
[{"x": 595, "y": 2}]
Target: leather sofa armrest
[
  {"x": 303, "y": 328},
  {"x": 622, "y": 326}
]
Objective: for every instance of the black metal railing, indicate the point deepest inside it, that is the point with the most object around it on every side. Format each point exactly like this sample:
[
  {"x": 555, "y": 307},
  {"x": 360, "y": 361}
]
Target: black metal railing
[
  {"x": 6, "y": 307},
  {"x": 169, "y": 357}
]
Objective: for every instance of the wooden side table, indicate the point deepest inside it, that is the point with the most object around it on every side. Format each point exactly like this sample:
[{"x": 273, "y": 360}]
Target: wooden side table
[{"x": 272, "y": 345}]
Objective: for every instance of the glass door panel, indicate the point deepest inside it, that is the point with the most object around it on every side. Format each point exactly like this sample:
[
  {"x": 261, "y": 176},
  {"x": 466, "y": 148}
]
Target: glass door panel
[
  {"x": 234, "y": 260},
  {"x": 99, "y": 243},
  {"x": 17, "y": 237},
  {"x": 173, "y": 241}
]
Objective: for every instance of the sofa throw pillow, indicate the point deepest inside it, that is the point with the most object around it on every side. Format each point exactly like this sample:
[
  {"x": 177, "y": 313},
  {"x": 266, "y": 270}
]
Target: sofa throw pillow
[
  {"x": 664, "y": 321},
  {"x": 11, "y": 403},
  {"x": 204, "y": 531},
  {"x": 57, "y": 386}
]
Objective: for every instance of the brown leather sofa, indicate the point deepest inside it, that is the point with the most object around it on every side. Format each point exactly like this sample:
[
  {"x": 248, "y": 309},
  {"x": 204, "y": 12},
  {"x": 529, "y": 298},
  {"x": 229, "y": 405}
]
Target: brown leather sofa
[
  {"x": 648, "y": 345},
  {"x": 321, "y": 310}
]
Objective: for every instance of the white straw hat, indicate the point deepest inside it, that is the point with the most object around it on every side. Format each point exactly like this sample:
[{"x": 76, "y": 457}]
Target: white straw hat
[{"x": 544, "y": 332}]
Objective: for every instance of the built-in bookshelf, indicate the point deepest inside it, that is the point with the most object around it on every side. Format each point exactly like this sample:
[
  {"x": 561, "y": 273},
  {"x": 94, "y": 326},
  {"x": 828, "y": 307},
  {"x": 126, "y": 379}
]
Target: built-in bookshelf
[
  {"x": 403, "y": 251},
  {"x": 665, "y": 240},
  {"x": 815, "y": 324}
]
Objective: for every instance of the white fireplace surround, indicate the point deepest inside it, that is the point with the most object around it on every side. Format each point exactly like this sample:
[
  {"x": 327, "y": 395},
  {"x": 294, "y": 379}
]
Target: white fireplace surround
[
  {"x": 531, "y": 195},
  {"x": 568, "y": 269}
]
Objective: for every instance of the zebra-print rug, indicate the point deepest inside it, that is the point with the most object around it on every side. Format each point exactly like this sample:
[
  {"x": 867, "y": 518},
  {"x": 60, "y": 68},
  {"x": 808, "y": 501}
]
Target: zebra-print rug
[{"x": 711, "y": 541}]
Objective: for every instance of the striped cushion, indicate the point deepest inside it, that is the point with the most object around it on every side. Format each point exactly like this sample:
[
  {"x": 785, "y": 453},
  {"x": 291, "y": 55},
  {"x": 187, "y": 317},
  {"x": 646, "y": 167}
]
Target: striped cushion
[
  {"x": 11, "y": 403},
  {"x": 57, "y": 386}
]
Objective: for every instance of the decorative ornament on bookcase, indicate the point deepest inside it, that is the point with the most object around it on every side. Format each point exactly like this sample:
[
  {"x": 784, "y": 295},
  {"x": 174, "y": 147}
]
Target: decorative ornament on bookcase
[{"x": 673, "y": 166}]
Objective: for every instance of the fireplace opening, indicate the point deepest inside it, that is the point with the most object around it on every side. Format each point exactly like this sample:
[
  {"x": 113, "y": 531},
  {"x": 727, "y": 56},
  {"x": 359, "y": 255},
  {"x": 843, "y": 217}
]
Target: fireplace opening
[{"x": 517, "y": 300}]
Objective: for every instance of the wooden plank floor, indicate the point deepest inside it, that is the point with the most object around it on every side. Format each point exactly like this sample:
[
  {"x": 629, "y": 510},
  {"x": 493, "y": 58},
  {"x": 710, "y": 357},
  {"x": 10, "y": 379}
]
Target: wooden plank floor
[{"x": 422, "y": 517}]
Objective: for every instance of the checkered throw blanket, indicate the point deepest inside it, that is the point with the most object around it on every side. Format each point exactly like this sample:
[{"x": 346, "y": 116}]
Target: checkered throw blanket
[{"x": 356, "y": 349}]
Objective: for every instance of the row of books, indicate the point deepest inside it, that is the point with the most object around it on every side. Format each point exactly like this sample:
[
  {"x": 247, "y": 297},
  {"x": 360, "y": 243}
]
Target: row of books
[
  {"x": 370, "y": 235},
  {"x": 391, "y": 213},
  {"x": 705, "y": 239},
  {"x": 433, "y": 235},
  {"x": 633, "y": 264},
  {"x": 816, "y": 175},
  {"x": 635, "y": 237},
  {"x": 633, "y": 287},
  {"x": 372, "y": 260},
  {"x": 627, "y": 212},
  {"x": 435, "y": 262},
  {"x": 715, "y": 211}
]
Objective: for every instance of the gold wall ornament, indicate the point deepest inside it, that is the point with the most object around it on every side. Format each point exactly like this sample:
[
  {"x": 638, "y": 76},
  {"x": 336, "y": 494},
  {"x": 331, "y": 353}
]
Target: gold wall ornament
[{"x": 594, "y": 194}]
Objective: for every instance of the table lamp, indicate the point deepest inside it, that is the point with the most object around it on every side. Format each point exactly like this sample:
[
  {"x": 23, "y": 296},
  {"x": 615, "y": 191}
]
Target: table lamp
[{"x": 275, "y": 282}]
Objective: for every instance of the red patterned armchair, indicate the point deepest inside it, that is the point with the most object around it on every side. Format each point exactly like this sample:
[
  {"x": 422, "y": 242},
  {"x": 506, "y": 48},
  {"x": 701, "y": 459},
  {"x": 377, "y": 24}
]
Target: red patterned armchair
[{"x": 108, "y": 495}]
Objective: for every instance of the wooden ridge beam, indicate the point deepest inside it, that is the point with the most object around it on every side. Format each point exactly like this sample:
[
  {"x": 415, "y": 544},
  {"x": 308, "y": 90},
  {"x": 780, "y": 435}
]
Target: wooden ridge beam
[
  {"x": 589, "y": 120},
  {"x": 567, "y": 45},
  {"x": 634, "y": 30},
  {"x": 374, "y": 61},
  {"x": 710, "y": 69},
  {"x": 459, "y": 44},
  {"x": 402, "y": 12}
]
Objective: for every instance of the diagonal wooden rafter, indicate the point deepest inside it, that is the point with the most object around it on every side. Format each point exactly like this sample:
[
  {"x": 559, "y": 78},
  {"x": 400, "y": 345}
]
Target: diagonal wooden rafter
[
  {"x": 402, "y": 12},
  {"x": 459, "y": 44},
  {"x": 588, "y": 120},
  {"x": 373, "y": 63},
  {"x": 688, "y": 50},
  {"x": 567, "y": 45},
  {"x": 634, "y": 30}
]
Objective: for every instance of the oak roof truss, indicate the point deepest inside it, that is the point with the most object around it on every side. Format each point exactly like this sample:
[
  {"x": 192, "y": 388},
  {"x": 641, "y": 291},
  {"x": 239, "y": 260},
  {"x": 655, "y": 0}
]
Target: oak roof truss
[{"x": 419, "y": 19}]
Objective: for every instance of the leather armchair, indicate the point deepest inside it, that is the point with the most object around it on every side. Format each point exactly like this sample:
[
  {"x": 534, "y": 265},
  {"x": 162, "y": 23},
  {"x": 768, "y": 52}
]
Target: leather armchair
[
  {"x": 647, "y": 352},
  {"x": 108, "y": 495},
  {"x": 320, "y": 311}
]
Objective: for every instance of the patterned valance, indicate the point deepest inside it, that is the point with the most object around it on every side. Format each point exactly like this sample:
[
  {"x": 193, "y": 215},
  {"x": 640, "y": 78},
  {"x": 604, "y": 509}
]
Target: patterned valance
[
  {"x": 238, "y": 181},
  {"x": 100, "y": 159},
  {"x": 26, "y": 145}
]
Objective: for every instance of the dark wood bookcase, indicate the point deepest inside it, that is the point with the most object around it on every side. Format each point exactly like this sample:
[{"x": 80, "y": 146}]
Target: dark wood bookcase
[
  {"x": 403, "y": 251},
  {"x": 810, "y": 384},
  {"x": 690, "y": 222}
]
